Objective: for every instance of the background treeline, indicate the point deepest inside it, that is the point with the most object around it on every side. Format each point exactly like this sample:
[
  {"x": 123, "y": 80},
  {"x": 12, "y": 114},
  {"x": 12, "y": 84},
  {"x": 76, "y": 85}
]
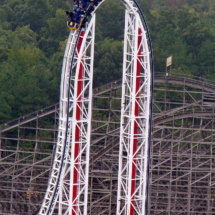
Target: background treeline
[{"x": 33, "y": 35}]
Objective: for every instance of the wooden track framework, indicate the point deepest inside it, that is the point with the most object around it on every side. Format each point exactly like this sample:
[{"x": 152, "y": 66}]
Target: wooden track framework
[{"x": 182, "y": 153}]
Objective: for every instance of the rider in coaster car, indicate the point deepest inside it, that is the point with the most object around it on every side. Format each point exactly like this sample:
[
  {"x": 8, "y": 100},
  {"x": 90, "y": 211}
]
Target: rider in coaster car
[
  {"x": 79, "y": 11},
  {"x": 74, "y": 20},
  {"x": 85, "y": 4},
  {"x": 95, "y": 2},
  {"x": 73, "y": 17},
  {"x": 81, "y": 6},
  {"x": 76, "y": 2}
]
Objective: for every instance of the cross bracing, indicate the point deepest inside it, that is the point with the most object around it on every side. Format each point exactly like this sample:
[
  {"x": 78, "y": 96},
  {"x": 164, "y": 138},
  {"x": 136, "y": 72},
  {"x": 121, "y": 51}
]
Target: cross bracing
[{"x": 182, "y": 173}]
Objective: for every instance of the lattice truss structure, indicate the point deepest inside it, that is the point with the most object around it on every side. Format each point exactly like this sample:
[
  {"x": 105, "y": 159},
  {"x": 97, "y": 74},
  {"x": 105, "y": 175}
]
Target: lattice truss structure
[
  {"x": 68, "y": 186},
  {"x": 67, "y": 192},
  {"x": 134, "y": 128},
  {"x": 182, "y": 179},
  {"x": 26, "y": 159}
]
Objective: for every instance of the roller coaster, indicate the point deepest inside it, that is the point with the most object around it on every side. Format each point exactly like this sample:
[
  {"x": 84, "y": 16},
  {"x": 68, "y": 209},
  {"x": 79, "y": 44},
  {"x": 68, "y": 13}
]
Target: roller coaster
[
  {"x": 102, "y": 166},
  {"x": 67, "y": 191},
  {"x": 181, "y": 157}
]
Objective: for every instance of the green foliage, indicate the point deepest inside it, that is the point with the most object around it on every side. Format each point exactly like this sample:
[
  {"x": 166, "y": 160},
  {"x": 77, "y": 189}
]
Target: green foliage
[
  {"x": 33, "y": 36},
  {"x": 33, "y": 12},
  {"x": 111, "y": 19},
  {"x": 53, "y": 33},
  {"x": 24, "y": 84},
  {"x": 108, "y": 61},
  {"x": 184, "y": 35}
]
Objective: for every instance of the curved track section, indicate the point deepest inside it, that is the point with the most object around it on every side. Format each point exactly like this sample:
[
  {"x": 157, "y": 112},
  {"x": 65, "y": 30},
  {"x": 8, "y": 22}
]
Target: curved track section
[
  {"x": 53, "y": 185},
  {"x": 190, "y": 129},
  {"x": 134, "y": 128},
  {"x": 67, "y": 192},
  {"x": 74, "y": 107}
]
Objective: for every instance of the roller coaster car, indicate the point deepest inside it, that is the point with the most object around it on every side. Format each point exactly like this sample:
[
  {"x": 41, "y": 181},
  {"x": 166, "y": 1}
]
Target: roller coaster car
[
  {"x": 78, "y": 18},
  {"x": 72, "y": 26},
  {"x": 89, "y": 9},
  {"x": 75, "y": 26},
  {"x": 95, "y": 2}
]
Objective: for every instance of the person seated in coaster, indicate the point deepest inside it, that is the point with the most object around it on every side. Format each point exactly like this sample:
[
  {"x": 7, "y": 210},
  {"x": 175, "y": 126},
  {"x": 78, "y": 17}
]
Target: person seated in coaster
[
  {"x": 79, "y": 11},
  {"x": 95, "y": 2},
  {"x": 73, "y": 17},
  {"x": 73, "y": 26},
  {"x": 74, "y": 20}
]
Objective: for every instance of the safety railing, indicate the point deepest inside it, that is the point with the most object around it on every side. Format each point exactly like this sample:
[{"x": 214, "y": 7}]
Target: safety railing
[
  {"x": 186, "y": 77},
  {"x": 29, "y": 117}
]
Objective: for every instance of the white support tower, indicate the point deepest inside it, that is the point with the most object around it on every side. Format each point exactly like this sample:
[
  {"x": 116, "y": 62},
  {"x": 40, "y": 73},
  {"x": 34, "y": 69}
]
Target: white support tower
[
  {"x": 68, "y": 186},
  {"x": 134, "y": 128},
  {"x": 67, "y": 193}
]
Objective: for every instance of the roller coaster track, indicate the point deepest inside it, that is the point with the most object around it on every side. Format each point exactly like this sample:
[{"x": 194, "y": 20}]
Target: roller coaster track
[
  {"x": 64, "y": 186},
  {"x": 198, "y": 84},
  {"x": 159, "y": 118},
  {"x": 73, "y": 101},
  {"x": 137, "y": 94},
  {"x": 174, "y": 79}
]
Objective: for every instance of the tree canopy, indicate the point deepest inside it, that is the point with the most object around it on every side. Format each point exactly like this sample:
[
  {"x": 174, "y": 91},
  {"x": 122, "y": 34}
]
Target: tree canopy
[{"x": 33, "y": 35}]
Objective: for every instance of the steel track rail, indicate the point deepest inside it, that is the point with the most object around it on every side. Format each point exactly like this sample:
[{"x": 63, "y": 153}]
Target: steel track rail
[
  {"x": 129, "y": 6},
  {"x": 67, "y": 126},
  {"x": 98, "y": 90},
  {"x": 151, "y": 101},
  {"x": 201, "y": 85}
]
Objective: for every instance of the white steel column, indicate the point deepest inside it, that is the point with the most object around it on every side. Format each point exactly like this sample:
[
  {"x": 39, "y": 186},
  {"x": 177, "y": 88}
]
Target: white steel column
[
  {"x": 52, "y": 190},
  {"x": 134, "y": 130},
  {"x": 67, "y": 190},
  {"x": 81, "y": 124},
  {"x": 66, "y": 193}
]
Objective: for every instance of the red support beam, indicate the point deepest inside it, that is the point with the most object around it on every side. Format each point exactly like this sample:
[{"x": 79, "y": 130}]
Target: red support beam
[
  {"x": 77, "y": 129},
  {"x": 136, "y": 130}
]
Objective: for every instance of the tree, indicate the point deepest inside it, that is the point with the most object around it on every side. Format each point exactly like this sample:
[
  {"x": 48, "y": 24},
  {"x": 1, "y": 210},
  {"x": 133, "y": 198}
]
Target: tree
[
  {"x": 110, "y": 19},
  {"x": 34, "y": 13},
  {"x": 206, "y": 60},
  {"x": 169, "y": 43},
  {"x": 108, "y": 61},
  {"x": 175, "y": 4},
  {"x": 5, "y": 43},
  {"x": 55, "y": 32}
]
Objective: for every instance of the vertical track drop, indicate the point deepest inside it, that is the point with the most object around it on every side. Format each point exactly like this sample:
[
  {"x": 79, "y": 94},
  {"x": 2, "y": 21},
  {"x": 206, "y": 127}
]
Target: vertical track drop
[
  {"x": 67, "y": 193},
  {"x": 133, "y": 158}
]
